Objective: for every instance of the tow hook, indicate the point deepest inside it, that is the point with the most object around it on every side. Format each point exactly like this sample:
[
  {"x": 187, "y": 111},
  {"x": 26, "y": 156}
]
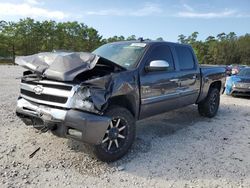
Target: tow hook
[{"x": 45, "y": 128}]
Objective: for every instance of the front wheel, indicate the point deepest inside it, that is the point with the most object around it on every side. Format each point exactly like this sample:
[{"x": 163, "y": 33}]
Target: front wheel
[
  {"x": 210, "y": 105},
  {"x": 119, "y": 136}
]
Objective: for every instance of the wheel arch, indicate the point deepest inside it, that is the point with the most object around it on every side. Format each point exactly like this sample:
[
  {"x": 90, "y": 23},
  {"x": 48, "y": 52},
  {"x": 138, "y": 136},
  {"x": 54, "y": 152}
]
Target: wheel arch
[
  {"x": 207, "y": 88},
  {"x": 126, "y": 101},
  {"x": 216, "y": 84}
]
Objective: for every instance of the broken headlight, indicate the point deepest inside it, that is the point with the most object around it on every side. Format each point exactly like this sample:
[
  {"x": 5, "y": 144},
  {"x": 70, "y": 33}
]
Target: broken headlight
[{"x": 82, "y": 100}]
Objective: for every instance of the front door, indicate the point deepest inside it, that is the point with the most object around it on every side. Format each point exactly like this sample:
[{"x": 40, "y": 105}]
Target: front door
[{"x": 159, "y": 89}]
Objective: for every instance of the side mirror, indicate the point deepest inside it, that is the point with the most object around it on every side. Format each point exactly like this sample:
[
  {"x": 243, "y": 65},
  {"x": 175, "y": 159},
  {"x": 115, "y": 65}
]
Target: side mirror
[{"x": 157, "y": 65}]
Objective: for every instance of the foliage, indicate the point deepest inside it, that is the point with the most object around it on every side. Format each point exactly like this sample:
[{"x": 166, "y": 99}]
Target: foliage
[
  {"x": 224, "y": 49},
  {"x": 28, "y": 36}
]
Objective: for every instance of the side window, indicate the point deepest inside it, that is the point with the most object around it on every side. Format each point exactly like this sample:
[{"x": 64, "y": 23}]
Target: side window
[
  {"x": 162, "y": 53},
  {"x": 185, "y": 57}
]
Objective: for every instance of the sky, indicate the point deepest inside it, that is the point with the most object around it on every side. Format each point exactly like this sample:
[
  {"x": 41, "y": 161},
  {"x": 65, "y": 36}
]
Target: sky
[{"x": 148, "y": 19}]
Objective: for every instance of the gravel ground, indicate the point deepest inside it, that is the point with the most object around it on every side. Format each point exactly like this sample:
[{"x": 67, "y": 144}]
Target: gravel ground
[{"x": 176, "y": 149}]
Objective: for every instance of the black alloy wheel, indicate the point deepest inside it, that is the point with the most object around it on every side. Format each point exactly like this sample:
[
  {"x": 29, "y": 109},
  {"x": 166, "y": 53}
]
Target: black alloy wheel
[{"x": 118, "y": 137}]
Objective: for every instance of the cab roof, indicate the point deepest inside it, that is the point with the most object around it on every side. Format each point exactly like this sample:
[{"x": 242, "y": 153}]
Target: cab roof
[{"x": 152, "y": 42}]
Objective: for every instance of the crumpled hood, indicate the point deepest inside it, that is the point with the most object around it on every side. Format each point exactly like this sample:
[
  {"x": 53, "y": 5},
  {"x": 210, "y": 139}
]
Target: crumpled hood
[{"x": 61, "y": 66}]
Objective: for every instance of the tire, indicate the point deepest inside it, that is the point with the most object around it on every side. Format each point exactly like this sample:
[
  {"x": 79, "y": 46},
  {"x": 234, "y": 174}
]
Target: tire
[
  {"x": 119, "y": 137},
  {"x": 210, "y": 105},
  {"x": 234, "y": 95}
]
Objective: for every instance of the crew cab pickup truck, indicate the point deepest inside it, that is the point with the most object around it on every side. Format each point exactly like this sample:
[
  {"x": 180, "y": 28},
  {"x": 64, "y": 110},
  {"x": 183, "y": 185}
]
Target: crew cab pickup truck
[{"x": 98, "y": 97}]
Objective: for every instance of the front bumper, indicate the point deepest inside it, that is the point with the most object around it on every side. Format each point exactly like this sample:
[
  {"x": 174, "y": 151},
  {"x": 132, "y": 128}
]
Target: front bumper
[
  {"x": 240, "y": 91},
  {"x": 69, "y": 123}
]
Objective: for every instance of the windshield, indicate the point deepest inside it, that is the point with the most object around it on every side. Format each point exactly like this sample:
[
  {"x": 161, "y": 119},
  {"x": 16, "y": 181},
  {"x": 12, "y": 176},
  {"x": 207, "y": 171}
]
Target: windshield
[
  {"x": 123, "y": 54},
  {"x": 245, "y": 72}
]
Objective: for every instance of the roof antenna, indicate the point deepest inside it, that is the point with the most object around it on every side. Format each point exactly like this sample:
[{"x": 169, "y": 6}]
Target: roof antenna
[{"x": 140, "y": 39}]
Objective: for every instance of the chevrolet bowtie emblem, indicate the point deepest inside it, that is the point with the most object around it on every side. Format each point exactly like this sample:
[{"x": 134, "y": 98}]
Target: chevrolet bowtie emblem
[{"x": 38, "y": 90}]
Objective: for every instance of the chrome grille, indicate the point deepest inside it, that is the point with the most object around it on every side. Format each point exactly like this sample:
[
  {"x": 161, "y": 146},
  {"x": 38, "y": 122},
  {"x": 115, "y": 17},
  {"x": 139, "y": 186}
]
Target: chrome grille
[
  {"x": 48, "y": 92},
  {"x": 247, "y": 85},
  {"x": 243, "y": 85},
  {"x": 44, "y": 97}
]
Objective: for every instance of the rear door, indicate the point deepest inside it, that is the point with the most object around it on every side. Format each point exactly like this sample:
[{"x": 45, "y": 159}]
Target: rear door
[
  {"x": 189, "y": 77},
  {"x": 159, "y": 89}
]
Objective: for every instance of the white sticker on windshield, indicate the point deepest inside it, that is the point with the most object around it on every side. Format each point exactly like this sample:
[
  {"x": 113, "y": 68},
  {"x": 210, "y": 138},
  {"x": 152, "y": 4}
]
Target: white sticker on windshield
[{"x": 138, "y": 44}]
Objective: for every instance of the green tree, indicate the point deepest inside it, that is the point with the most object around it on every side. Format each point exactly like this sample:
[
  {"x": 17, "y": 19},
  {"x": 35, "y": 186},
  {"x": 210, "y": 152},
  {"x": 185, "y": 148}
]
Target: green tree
[
  {"x": 243, "y": 45},
  {"x": 115, "y": 39},
  {"x": 182, "y": 39},
  {"x": 132, "y": 37},
  {"x": 28, "y": 36},
  {"x": 192, "y": 38},
  {"x": 160, "y": 39},
  {"x": 221, "y": 36}
]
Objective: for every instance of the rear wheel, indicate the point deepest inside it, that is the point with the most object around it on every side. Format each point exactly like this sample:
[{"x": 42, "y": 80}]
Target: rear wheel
[
  {"x": 118, "y": 137},
  {"x": 210, "y": 105}
]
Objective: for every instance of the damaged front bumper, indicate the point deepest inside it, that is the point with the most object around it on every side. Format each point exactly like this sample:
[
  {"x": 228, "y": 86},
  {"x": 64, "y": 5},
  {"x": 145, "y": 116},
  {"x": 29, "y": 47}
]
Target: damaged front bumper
[{"x": 69, "y": 123}]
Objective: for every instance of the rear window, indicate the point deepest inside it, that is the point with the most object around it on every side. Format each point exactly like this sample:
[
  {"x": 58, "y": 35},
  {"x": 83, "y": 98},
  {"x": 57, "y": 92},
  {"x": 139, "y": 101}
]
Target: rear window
[{"x": 185, "y": 57}]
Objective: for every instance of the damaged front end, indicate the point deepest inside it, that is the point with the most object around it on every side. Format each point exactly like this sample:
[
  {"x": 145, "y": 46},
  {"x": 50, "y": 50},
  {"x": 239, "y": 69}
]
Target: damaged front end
[
  {"x": 69, "y": 93},
  {"x": 74, "y": 69},
  {"x": 82, "y": 100}
]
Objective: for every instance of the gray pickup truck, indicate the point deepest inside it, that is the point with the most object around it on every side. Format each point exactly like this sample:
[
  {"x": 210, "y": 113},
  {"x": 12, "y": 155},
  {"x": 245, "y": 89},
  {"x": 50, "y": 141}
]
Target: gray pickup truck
[{"x": 98, "y": 97}]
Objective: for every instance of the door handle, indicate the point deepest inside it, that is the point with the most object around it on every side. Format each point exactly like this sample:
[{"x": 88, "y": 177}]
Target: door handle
[{"x": 174, "y": 80}]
